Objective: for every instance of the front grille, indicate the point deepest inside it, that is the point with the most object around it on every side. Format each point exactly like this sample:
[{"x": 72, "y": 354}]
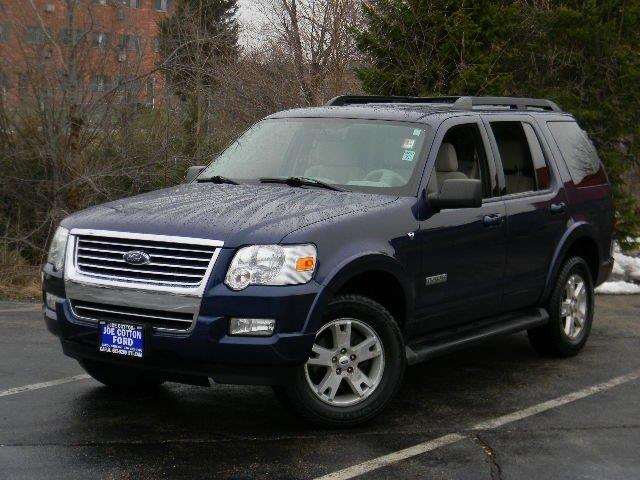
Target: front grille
[
  {"x": 97, "y": 312},
  {"x": 171, "y": 262}
]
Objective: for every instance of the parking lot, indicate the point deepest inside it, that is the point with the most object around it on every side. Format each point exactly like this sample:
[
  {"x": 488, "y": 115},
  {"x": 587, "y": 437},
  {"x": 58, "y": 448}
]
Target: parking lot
[{"x": 494, "y": 411}]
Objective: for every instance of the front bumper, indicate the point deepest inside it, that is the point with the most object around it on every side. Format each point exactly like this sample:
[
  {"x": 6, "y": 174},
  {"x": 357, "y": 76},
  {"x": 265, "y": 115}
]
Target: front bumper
[{"x": 207, "y": 351}]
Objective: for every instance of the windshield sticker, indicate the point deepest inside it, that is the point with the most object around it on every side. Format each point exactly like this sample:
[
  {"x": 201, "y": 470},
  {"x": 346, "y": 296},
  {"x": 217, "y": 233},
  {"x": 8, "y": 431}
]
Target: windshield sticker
[
  {"x": 408, "y": 155},
  {"x": 417, "y": 132},
  {"x": 408, "y": 143}
]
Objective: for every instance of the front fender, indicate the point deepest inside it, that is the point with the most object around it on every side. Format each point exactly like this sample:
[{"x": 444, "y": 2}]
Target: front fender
[{"x": 348, "y": 269}]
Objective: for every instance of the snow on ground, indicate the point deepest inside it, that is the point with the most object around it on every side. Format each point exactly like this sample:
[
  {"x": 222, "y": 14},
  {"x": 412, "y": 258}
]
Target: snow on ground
[
  {"x": 626, "y": 271},
  {"x": 618, "y": 288}
]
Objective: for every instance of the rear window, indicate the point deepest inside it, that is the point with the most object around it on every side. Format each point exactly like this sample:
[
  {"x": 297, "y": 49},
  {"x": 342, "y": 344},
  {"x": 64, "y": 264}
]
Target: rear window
[{"x": 579, "y": 154}]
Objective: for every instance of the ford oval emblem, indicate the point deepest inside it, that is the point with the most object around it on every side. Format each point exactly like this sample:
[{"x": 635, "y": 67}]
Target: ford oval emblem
[{"x": 136, "y": 257}]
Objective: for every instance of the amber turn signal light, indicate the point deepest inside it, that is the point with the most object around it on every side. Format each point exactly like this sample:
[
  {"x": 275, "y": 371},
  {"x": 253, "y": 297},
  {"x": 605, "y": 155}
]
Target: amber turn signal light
[{"x": 305, "y": 264}]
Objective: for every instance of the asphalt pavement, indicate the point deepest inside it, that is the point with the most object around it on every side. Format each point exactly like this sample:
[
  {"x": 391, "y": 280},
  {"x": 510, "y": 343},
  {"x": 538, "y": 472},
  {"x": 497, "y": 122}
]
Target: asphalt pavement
[{"x": 495, "y": 411}]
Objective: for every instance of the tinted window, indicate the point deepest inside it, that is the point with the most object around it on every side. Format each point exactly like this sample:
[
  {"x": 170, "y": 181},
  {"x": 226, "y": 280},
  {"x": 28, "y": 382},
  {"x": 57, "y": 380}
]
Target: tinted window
[
  {"x": 579, "y": 154},
  {"x": 543, "y": 174},
  {"x": 517, "y": 163},
  {"x": 461, "y": 155}
]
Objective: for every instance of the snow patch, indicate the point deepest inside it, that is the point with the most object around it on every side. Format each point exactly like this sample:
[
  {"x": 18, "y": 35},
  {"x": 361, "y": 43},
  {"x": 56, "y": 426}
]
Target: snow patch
[
  {"x": 626, "y": 271},
  {"x": 618, "y": 288}
]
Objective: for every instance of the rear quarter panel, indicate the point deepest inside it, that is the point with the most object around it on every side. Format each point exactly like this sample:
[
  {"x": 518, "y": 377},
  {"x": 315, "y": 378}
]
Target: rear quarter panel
[{"x": 591, "y": 204}]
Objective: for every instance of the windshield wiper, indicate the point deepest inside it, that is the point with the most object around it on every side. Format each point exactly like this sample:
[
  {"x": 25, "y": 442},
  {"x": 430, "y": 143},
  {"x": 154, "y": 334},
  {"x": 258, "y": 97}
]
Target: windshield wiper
[
  {"x": 301, "y": 182},
  {"x": 217, "y": 179}
]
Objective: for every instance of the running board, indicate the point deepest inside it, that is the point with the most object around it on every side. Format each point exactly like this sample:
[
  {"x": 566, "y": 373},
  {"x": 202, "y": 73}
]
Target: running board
[{"x": 502, "y": 325}]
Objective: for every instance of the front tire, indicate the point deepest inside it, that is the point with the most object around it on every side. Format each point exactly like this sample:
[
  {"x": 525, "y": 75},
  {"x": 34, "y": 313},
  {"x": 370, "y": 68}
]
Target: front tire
[
  {"x": 570, "y": 310},
  {"x": 121, "y": 378},
  {"x": 356, "y": 366}
]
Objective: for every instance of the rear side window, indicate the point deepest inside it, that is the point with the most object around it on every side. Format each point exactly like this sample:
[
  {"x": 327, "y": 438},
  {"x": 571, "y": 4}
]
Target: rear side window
[
  {"x": 543, "y": 174},
  {"x": 517, "y": 161},
  {"x": 579, "y": 154}
]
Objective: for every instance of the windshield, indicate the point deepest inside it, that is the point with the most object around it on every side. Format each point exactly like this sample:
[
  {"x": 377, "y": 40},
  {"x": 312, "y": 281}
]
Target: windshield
[{"x": 358, "y": 155}]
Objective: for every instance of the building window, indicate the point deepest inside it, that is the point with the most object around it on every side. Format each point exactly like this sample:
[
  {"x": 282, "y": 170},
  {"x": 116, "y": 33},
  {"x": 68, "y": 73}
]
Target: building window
[
  {"x": 129, "y": 42},
  {"x": 156, "y": 45},
  {"x": 100, "y": 83},
  {"x": 99, "y": 2},
  {"x": 4, "y": 82},
  {"x": 69, "y": 36},
  {"x": 102, "y": 39},
  {"x": 151, "y": 94},
  {"x": 4, "y": 32},
  {"x": 36, "y": 35},
  {"x": 24, "y": 80},
  {"x": 134, "y": 3},
  {"x": 163, "y": 5}
]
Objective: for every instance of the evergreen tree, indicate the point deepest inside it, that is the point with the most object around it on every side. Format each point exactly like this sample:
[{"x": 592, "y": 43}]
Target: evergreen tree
[{"x": 584, "y": 54}]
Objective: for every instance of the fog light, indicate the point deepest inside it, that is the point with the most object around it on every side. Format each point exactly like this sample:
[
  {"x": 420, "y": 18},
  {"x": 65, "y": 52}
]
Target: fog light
[
  {"x": 51, "y": 300},
  {"x": 252, "y": 327}
]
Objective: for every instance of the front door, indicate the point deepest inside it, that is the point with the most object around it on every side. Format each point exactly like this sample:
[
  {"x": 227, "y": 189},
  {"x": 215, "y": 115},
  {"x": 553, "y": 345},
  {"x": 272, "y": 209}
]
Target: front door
[{"x": 463, "y": 250}]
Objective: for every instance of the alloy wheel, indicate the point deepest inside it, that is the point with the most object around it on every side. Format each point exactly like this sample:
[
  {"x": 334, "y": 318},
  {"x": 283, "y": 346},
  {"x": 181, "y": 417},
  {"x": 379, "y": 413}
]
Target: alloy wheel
[
  {"x": 346, "y": 364},
  {"x": 573, "y": 309}
]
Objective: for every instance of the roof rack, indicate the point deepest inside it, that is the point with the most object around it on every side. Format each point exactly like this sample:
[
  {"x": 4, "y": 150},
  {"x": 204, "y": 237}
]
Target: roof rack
[{"x": 461, "y": 103}]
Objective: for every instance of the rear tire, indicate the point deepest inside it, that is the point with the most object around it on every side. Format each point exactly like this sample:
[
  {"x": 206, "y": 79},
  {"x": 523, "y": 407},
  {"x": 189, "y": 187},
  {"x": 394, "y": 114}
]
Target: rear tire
[
  {"x": 361, "y": 340},
  {"x": 121, "y": 377},
  {"x": 570, "y": 308}
]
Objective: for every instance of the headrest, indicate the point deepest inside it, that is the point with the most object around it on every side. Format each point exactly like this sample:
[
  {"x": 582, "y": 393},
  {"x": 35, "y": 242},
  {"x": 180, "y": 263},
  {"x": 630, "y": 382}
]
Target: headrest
[
  {"x": 512, "y": 156},
  {"x": 447, "y": 160}
]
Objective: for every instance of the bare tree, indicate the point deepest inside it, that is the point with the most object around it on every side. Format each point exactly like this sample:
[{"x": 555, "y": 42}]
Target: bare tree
[
  {"x": 76, "y": 129},
  {"x": 315, "y": 36}
]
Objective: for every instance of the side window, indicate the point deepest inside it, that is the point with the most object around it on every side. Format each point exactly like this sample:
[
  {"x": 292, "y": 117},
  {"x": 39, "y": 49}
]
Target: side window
[
  {"x": 579, "y": 154},
  {"x": 515, "y": 154},
  {"x": 462, "y": 155},
  {"x": 543, "y": 174}
]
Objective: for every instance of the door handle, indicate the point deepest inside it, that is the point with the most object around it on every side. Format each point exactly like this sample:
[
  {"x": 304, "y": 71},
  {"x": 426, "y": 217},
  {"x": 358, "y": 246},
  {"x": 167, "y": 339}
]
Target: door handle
[
  {"x": 557, "y": 208},
  {"x": 492, "y": 220}
]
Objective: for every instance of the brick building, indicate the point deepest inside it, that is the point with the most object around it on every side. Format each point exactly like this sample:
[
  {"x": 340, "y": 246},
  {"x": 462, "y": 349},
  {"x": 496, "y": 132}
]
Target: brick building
[{"x": 101, "y": 43}]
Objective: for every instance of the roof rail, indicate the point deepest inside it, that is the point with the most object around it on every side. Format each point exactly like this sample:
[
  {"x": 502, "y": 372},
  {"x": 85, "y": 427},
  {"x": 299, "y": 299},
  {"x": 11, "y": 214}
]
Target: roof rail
[{"x": 462, "y": 103}]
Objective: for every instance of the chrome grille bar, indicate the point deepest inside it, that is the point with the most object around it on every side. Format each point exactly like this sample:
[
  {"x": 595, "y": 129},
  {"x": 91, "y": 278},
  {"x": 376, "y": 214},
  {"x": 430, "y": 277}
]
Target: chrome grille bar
[
  {"x": 96, "y": 312},
  {"x": 174, "y": 261}
]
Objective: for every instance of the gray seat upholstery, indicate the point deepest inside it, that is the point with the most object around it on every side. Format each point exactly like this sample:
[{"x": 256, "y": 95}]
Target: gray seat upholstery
[
  {"x": 447, "y": 164},
  {"x": 514, "y": 161},
  {"x": 337, "y": 164}
]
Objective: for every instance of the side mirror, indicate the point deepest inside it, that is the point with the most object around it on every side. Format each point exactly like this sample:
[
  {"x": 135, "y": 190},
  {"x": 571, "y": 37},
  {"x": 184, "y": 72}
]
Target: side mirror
[
  {"x": 193, "y": 172},
  {"x": 462, "y": 193}
]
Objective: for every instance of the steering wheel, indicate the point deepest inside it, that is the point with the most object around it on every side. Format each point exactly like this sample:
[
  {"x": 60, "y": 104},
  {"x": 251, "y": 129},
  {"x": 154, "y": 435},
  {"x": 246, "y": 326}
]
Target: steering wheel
[{"x": 388, "y": 177}]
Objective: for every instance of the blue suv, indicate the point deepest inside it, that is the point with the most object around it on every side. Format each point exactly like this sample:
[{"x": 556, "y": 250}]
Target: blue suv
[{"x": 328, "y": 248}]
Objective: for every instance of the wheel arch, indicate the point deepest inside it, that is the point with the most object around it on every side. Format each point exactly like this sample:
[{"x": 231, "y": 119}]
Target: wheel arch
[
  {"x": 578, "y": 240},
  {"x": 375, "y": 275}
]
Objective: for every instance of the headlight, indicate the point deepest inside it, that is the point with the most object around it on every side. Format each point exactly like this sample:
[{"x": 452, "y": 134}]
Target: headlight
[
  {"x": 58, "y": 248},
  {"x": 271, "y": 265}
]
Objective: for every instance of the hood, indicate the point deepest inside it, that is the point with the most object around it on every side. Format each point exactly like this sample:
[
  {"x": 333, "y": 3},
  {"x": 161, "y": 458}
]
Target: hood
[{"x": 234, "y": 214}]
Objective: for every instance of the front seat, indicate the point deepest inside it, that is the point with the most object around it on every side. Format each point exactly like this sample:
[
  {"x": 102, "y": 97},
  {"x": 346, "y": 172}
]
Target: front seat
[{"x": 447, "y": 164}]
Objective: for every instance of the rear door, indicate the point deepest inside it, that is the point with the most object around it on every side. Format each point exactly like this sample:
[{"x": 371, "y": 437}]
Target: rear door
[
  {"x": 463, "y": 250},
  {"x": 536, "y": 205}
]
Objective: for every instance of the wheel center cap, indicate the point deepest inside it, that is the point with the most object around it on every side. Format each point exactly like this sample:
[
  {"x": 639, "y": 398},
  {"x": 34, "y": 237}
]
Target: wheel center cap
[{"x": 344, "y": 360}]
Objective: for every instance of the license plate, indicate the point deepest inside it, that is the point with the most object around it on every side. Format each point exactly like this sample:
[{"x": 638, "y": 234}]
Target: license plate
[{"x": 122, "y": 339}]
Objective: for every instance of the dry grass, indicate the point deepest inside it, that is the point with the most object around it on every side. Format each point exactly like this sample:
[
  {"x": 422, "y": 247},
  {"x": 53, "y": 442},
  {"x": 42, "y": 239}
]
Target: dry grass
[{"x": 20, "y": 282}]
